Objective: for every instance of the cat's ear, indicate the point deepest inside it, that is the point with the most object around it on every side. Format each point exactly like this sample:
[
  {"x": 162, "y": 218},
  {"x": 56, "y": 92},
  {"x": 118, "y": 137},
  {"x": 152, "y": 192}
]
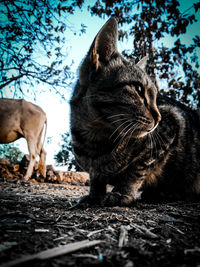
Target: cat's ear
[
  {"x": 101, "y": 50},
  {"x": 143, "y": 63},
  {"x": 105, "y": 43}
]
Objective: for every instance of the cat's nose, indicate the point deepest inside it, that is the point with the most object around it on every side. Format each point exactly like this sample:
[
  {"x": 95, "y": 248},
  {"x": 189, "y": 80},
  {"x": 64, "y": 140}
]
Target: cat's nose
[
  {"x": 159, "y": 118},
  {"x": 156, "y": 115}
]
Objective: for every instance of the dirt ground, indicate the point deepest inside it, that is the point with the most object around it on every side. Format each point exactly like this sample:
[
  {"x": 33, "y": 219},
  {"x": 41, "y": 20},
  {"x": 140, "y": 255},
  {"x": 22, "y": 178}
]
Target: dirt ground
[{"x": 36, "y": 217}]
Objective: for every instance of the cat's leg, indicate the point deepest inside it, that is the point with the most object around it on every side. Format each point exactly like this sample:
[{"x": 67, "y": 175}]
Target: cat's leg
[
  {"x": 124, "y": 194},
  {"x": 97, "y": 190}
]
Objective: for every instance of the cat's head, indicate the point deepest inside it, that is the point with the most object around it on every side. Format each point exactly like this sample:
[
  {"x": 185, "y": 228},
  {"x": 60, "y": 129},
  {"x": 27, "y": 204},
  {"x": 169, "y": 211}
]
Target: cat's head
[{"x": 117, "y": 91}]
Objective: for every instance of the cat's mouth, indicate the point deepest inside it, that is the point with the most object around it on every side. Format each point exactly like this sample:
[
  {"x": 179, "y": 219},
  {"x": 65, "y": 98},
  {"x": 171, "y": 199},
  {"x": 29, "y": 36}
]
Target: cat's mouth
[
  {"x": 142, "y": 134},
  {"x": 153, "y": 128}
]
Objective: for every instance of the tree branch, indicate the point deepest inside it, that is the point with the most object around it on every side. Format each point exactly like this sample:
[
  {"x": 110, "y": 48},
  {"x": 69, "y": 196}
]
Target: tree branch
[{"x": 11, "y": 80}]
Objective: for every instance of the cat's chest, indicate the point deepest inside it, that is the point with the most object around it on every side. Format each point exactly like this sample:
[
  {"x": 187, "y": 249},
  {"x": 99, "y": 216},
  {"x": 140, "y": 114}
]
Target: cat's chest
[{"x": 148, "y": 157}]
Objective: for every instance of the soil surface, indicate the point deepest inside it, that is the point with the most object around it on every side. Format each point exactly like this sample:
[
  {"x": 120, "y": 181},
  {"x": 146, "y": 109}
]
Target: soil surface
[{"x": 36, "y": 217}]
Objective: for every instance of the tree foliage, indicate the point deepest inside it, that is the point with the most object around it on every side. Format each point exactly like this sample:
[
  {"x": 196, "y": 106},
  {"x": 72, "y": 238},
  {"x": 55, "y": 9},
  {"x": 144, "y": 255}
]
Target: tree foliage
[
  {"x": 33, "y": 47},
  {"x": 11, "y": 153},
  {"x": 32, "y": 43},
  {"x": 150, "y": 23},
  {"x": 65, "y": 156}
]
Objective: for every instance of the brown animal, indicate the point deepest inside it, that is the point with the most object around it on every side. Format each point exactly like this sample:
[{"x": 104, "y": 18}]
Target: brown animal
[{"x": 19, "y": 118}]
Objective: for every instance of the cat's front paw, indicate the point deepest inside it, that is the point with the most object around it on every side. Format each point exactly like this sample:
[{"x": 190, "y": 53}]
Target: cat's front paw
[
  {"x": 85, "y": 202},
  {"x": 117, "y": 199}
]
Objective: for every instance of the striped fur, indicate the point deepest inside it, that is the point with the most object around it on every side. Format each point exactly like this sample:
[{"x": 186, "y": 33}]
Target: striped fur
[{"x": 126, "y": 135}]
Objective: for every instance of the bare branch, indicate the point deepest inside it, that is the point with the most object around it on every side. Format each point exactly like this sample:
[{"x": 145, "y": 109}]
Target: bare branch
[{"x": 11, "y": 80}]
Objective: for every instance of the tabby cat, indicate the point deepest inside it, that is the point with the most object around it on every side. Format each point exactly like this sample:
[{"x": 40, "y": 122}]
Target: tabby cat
[{"x": 126, "y": 135}]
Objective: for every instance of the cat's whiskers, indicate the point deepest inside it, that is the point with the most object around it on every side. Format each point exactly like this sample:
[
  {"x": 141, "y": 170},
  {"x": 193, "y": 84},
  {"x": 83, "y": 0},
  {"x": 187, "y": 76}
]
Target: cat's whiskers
[
  {"x": 128, "y": 131},
  {"x": 154, "y": 144},
  {"x": 122, "y": 129},
  {"x": 157, "y": 141},
  {"x": 161, "y": 139},
  {"x": 151, "y": 145},
  {"x": 129, "y": 128},
  {"x": 118, "y": 128},
  {"x": 121, "y": 114},
  {"x": 118, "y": 120},
  {"x": 161, "y": 142},
  {"x": 136, "y": 127},
  {"x": 133, "y": 128}
]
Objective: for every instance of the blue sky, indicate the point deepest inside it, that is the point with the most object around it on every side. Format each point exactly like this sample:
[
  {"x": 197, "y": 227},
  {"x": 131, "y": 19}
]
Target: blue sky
[{"x": 58, "y": 110}]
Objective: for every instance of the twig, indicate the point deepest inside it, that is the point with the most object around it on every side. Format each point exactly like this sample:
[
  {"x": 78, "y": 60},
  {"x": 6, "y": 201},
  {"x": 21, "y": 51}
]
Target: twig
[
  {"x": 41, "y": 230},
  {"x": 60, "y": 238},
  {"x": 54, "y": 252},
  {"x": 86, "y": 256},
  {"x": 11, "y": 80},
  {"x": 143, "y": 230},
  {"x": 175, "y": 228},
  {"x": 95, "y": 232},
  {"x": 123, "y": 237},
  {"x": 192, "y": 250}
]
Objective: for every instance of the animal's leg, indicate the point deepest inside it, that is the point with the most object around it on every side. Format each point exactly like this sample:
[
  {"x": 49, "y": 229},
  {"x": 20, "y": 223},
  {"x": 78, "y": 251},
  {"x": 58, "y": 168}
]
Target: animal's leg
[
  {"x": 32, "y": 154},
  {"x": 97, "y": 188},
  {"x": 97, "y": 191},
  {"x": 42, "y": 153},
  {"x": 42, "y": 163},
  {"x": 124, "y": 194}
]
